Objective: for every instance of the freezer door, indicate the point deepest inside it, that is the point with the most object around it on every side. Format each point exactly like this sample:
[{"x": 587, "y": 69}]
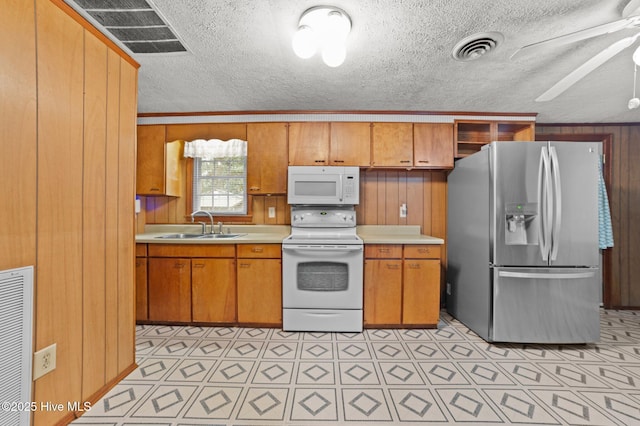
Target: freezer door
[
  {"x": 575, "y": 208},
  {"x": 519, "y": 178},
  {"x": 545, "y": 305}
]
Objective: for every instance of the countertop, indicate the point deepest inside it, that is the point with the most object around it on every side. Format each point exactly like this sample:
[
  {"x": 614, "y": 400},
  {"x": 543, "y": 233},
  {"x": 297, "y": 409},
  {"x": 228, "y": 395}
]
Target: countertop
[
  {"x": 395, "y": 234},
  {"x": 274, "y": 234}
]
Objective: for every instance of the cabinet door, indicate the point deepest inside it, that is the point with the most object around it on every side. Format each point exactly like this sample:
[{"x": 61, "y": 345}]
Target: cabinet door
[
  {"x": 142, "y": 312},
  {"x": 350, "y": 144},
  {"x": 259, "y": 291},
  {"x": 170, "y": 289},
  {"x": 308, "y": 144},
  {"x": 433, "y": 145},
  {"x": 267, "y": 158},
  {"x": 150, "y": 160},
  {"x": 392, "y": 145},
  {"x": 421, "y": 292},
  {"x": 213, "y": 290},
  {"x": 382, "y": 291}
]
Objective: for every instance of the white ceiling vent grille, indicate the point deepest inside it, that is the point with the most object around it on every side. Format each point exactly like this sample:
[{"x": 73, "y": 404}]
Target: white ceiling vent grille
[{"x": 476, "y": 46}]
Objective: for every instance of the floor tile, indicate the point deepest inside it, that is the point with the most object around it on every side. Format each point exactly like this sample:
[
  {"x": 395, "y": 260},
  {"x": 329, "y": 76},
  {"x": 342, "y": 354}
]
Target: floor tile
[{"x": 209, "y": 376}]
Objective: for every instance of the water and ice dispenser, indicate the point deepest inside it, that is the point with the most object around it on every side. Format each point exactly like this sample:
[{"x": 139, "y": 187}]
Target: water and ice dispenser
[{"x": 521, "y": 224}]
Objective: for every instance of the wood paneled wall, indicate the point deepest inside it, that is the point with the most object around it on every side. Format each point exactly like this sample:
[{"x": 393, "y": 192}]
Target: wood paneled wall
[
  {"x": 68, "y": 128},
  {"x": 624, "y": 200}
]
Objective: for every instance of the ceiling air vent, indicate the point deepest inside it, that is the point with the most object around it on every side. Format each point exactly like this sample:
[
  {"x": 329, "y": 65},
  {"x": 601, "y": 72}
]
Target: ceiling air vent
[
  {"x": 476, "y": 46},
  {"x": 134, "y": 23}
]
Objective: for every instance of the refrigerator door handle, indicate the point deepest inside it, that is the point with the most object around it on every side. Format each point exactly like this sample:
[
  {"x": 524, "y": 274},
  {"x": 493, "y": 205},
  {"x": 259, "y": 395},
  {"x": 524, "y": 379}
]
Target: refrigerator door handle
[
  {"x": 557, "y": 204},
  {"x": 544, "y": 204},
  {"x": 544, "y": 275}
]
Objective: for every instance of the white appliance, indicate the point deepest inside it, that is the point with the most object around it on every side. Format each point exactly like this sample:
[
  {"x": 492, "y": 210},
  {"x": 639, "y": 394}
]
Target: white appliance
[
  {"x": 323, "y": 185},
  {"x": 322, "y": 267},
  {"x": 522, "y": 237}
]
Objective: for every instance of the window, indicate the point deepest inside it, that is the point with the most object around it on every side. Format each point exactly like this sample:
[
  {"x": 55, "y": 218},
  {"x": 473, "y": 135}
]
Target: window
[
  {"x": 219, "y": 185},
  {"x": 219, "y": 176}
]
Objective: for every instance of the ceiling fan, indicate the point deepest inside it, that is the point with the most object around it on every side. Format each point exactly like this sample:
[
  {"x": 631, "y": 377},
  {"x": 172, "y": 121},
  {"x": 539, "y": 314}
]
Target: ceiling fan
[{"x": 630, "y": 19}]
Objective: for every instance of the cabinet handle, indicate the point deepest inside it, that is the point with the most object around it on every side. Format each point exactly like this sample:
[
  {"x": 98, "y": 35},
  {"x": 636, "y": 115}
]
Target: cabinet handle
[
  {"x": 383, "y": 250},
  {"x": 245, "y": 265},
  {"x": 423, "y": 250},
  {"x": 198, "y": 265},
  {"x": 338, "y": 161},
  {"x": 257, "y": 250},
  {"x": 254, "y": 188},
  {"x": 154, "y": 189},
  {"x": 319, "y": 161},
  {"x": 414, "y": 266},
  {"x": 405, "y": 161},
  {"x": 423, "y": 161},
  {"x": 392, "y": 266},
  {"x": 179, "y": 265}
]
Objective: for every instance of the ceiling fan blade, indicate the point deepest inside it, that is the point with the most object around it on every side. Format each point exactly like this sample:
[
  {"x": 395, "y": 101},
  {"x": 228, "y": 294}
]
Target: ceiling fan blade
[
  {"x": 586, "y": 68},
  {"x": 576, "y": 36},
  {"x": 632, "y": 8}
]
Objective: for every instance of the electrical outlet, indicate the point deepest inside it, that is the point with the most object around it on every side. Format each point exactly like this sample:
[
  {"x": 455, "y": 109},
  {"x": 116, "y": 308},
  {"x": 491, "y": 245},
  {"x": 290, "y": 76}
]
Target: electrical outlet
[
  {"x": 44, "y": 361},
  {"x": 272, "y": 212},
  {"x": 403, "y": 210}
]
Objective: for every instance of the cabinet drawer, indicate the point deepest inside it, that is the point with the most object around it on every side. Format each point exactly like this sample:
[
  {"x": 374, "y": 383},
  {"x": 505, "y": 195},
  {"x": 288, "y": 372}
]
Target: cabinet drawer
[
  {"x": 192, "y": 250},
  {"x": 383, "y": 251},
  {"x": 141, "y": 250},
  {"x": 270, "y": 251},
  {"x": 422, "y": 251}
]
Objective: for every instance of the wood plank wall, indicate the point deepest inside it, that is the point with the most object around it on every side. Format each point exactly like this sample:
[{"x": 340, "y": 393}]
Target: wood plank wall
[
  {"x": 624, "y": 199},
  {"x": 68, "y": 127},
  {"x": 381, "y": 193}
]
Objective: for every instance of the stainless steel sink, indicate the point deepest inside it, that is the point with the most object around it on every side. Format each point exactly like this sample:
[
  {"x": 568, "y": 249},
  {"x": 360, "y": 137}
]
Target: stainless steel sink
[
  {"x": 180, "y": 236},
  {"x": 215, "y": 236},
  {"x": 195, "y": 236}
]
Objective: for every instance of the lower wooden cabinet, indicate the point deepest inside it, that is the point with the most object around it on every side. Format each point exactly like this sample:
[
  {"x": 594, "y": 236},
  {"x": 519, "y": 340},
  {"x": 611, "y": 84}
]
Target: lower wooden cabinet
[
  {"x": 169, "y": 289},
  {"x": 421, "y": 292},
  {"x": 213, "y": 290},
  {"x": 401, "y": 285},
  {"x": 259, "y": 274},
  {"x": 382, "y": 291},
  {"x": 142, "y": 312},
  {"x": 210, "y": 284}
]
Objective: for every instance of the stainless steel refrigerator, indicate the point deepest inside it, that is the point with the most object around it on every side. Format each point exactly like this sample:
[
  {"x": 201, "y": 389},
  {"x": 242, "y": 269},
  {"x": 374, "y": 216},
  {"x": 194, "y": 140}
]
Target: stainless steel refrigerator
[{"x": 522, "y": 242}]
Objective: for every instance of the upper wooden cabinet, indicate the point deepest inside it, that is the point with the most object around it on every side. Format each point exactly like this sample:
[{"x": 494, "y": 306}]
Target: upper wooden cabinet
[
  {"x": 336, "y": 144},
  {"x": 350, "y": 144},
  {"x": 392, "y": 145},
  {"x": 471, "y": 135},
  {"x": 433, "y": 145},
  {"x": 159, "y": 164},
  {"x": 309, "y": 144},
  {"x": 267, "y": 158}
]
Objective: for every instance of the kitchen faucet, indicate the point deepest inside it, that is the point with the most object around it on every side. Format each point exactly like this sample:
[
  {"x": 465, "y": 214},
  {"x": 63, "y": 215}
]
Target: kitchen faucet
[{"x": 204, "y": 226}]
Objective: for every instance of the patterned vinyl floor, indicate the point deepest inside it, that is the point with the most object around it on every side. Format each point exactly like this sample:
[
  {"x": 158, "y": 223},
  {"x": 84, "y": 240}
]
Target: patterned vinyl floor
[{"x": 259, "y": 376}]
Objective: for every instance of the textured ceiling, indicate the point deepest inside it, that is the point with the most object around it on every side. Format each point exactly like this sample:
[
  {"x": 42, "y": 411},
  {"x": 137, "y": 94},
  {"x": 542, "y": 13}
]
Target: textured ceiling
[{"x": 399, "y": 58}]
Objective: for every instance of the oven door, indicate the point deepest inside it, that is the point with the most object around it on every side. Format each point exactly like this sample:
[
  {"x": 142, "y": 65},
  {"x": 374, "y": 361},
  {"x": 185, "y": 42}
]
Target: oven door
[{"x": 322, "y": 276}]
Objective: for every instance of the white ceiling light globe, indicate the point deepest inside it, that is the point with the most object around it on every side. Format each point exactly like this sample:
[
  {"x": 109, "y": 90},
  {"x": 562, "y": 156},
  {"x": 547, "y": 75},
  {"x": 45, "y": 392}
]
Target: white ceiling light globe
[
  {"x": 337, "y": 27},
  {"x": 305, "y": 42},
  {"x": 334, "y": 54}
]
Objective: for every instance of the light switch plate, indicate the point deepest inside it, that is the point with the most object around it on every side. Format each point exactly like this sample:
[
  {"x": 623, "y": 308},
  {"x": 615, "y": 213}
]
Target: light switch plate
[{"x": 272, "y": 212}]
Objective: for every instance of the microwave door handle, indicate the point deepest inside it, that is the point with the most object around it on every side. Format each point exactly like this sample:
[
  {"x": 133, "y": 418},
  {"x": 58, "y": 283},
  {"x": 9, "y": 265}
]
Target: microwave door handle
[{"x": 340, "y": 187}]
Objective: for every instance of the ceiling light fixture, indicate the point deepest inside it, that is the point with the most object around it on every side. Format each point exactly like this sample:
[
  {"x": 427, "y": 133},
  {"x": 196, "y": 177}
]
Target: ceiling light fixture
[{"x": 325, "y": 28}]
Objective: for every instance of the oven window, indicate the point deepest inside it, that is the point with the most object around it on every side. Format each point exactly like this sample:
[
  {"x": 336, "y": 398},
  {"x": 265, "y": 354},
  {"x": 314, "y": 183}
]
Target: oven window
[{"x": 323, "y": 276}]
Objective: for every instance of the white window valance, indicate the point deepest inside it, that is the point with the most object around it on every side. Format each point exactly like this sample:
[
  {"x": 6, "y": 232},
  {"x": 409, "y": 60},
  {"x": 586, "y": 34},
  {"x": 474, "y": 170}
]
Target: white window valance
[{"x": 215, "y": 148}]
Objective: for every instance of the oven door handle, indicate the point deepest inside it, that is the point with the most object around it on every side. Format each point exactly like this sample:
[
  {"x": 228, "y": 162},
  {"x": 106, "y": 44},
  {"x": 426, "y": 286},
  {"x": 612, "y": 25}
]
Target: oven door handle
[{"x": 321, "y": 249}]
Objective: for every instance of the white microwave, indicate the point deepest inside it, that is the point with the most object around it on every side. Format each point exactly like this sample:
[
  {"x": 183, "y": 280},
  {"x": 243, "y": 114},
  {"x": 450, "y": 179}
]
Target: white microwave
[{"x": 323, "y": 185}]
